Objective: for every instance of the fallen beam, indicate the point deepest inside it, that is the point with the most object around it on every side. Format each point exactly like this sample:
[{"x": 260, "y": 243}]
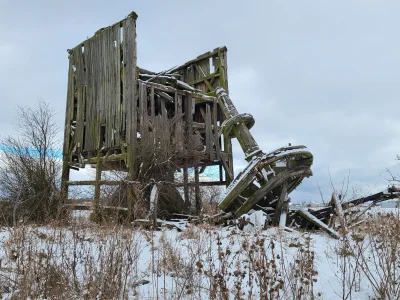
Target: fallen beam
[{"x": 313, "y": 220}]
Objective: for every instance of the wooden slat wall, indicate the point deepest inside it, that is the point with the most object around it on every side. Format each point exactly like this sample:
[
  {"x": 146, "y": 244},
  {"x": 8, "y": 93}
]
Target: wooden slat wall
[
  {"x": 103, "y": 82},
  {"x": 97, "y": 68}
]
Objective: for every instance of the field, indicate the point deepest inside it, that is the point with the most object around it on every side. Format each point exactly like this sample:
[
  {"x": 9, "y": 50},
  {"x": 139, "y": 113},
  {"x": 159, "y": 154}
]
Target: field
[{"x": 85, "y": 261}]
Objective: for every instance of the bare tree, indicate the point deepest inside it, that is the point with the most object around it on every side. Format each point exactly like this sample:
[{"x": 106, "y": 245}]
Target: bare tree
[{"x": 30, "y": 166}]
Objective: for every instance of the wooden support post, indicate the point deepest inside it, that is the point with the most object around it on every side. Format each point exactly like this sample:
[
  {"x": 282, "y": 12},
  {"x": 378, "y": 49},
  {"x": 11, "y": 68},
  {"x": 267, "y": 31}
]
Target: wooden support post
[
  {"x": 280, "y": 205},
  {"x": 339, "y": 211},
  {"x": 186, "y": 188},
  {"x": 285, "y": 210},
  {"x": 228, "y": 151},
  {"x": 197, "y": 190},
  {"x": 154, "y": 204},
  {"x": 313, "y": 220},
  {"x": 64, "y": 180},
  {"x": 131, "y": 177},
  {"x": 97, "y": 186}
]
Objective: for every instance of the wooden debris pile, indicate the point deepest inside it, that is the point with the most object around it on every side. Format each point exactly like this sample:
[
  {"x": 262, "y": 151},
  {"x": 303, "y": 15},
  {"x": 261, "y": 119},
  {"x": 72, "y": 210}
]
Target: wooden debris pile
[{"x": 337, "y": 215}]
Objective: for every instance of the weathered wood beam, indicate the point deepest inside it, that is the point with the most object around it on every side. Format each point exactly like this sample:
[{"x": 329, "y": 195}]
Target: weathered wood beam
[
  {"x": 113, "y": 157},
  {"x": 166, "y": 96},
  {"x": 209, "y": 86},
  {"x": 165, "y": 88},
  {"x": 197, "y": 190},
  {"x": 313, "y": 220},
  {"x": 185, "y": 187},
  {"x": 96, "y": 196},
  {"x": 279, "y": 206},
  {"x": 93, "y": 182},
  {"x": 215, "y": 52},
  {"x": 201, "y": 183},
  {"x": 208, "y": 77},
  {"x": 154, "y": 203},
  {"x": 339, "y": 211}
]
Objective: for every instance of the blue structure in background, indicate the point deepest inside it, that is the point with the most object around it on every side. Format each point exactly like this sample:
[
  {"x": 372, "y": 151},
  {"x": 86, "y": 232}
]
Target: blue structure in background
[
  {"x": 211, "y": 171},
  {"x": 56, "y": 153}
]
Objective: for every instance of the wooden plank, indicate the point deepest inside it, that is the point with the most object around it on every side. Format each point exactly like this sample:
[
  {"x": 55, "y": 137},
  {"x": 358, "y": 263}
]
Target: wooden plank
[
  {"x": 209, "y": 134},
  {"x": 178, "y": 124},
  {"x": 96, "y": 196},
  {"x": 215, "y": 129},
  {"x": 93, "y": 182},
  {"x": 185, "y": 188},
  {"x": 118, "y": 91},
  {"x": 201, "y": 97},
  {"x": 202, "y": 183},
  {"x": 88, "y": 93},
  {"x": 114, "y": 157},
  {"x": 92, "y": 118},
  {"x": 313, "y": 220},
  {"x": 91, "y": 50},
  {"x": 197, "y": 190},
  {"x": 223, "y": 69},
  {"x": 129, "y": 50},
  {"x": 154, "y": 203},
  {"x": 129, "y": 93},
  {"x": 68, "y": 143},
  {"x": 339, "y": 211},
  {"x": 164, "y": 96},
  {"x": 80, "y": 96},
  {"x": 152, "y": 104},
  {"x": 279, "y": 206},
  {"x": 69, "y": 110},
  {"x": 205, "y": 78},
  {"x": 165, "y": 133},
  {"x": 143, "y": 115},
  {"x": 189, "y": 119}
]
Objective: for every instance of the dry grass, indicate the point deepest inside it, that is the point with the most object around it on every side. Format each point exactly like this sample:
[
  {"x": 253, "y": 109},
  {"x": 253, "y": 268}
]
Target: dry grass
[{"x": 87, "y": 261}]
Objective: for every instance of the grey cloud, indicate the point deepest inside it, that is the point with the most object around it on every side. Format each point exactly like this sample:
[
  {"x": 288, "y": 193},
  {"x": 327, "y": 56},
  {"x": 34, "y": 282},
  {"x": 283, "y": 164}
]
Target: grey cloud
[{"x": 319, "y": 73}]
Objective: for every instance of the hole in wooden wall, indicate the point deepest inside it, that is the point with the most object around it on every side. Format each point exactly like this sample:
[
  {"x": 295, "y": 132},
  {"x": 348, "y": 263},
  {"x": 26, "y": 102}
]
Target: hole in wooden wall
[
  {"x": 121, "y": 33},
  {"x": 102, "y": 135},
  {"x": 212, "y": 68}
]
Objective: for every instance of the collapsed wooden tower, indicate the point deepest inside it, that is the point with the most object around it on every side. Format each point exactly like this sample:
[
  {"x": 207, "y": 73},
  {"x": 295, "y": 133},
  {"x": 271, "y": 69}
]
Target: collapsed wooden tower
[
  {"x": 117, "y": 112},
  {"x": 125, "y": 118},
  {"x": 122, "y": 117}
]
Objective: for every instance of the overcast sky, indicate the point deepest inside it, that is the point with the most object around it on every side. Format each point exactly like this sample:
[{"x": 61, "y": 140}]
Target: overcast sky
[{"x": 324, "y": 74}]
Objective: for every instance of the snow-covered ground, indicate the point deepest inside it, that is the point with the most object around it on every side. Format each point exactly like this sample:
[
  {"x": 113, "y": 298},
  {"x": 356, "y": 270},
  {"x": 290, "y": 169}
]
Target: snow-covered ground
[{"x": 88, "y": 262}]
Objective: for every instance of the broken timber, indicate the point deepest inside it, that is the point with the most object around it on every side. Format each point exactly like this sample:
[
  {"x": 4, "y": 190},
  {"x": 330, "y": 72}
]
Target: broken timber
[{"x": 267, "y": 177}]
